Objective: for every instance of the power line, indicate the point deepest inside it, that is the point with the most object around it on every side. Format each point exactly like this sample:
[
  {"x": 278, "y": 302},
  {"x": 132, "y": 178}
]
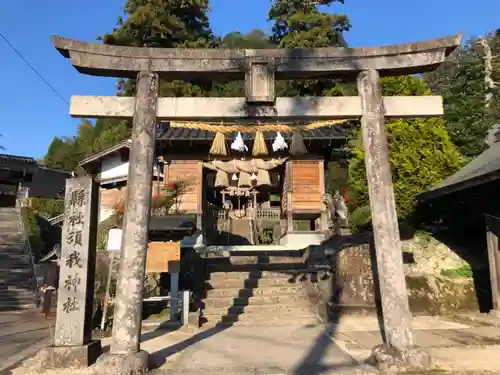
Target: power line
[{"x": 32, "y": 68}]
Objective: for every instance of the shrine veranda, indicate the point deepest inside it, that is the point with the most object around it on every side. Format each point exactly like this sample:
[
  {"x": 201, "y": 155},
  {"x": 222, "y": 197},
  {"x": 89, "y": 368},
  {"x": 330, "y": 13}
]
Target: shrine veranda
[{"x": 258, "y": 109}]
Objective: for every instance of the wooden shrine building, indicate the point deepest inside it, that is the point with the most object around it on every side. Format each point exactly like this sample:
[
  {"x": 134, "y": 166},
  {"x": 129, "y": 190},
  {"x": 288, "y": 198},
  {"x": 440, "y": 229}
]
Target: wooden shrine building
[{"x": 237, "y": 195}]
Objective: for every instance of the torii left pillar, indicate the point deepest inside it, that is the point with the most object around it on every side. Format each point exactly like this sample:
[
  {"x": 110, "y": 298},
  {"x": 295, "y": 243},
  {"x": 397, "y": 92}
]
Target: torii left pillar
[{"x": 125, "y": 356}]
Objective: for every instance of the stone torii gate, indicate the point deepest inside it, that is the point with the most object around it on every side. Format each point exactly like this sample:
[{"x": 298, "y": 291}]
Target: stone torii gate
[{"x": 259, "y": 69}]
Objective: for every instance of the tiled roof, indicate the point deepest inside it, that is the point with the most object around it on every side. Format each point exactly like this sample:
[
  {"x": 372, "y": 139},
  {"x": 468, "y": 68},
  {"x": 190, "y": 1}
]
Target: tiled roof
[
  {"x": 22, "y": 159},
  {"x": 332, "y": 132},
  {"x": 485, "y": 167}
]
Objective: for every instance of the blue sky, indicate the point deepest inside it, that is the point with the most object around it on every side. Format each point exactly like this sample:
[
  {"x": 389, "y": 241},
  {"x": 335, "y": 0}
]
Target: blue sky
[{"x": 31, "y": 114}]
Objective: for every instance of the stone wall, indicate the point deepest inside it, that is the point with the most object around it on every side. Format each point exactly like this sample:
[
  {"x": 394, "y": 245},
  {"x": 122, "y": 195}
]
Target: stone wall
[{"x": 436, "y": 277}]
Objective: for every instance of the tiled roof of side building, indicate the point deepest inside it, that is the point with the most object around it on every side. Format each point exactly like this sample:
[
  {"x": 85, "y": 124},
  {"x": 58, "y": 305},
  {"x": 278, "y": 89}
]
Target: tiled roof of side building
[
  {"x": 484, "y": 168},
  {"x": 23, "y": 159}
]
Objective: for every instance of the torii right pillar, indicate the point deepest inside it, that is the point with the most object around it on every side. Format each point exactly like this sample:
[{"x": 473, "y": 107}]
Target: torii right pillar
[{"x": 398, "y": 352}]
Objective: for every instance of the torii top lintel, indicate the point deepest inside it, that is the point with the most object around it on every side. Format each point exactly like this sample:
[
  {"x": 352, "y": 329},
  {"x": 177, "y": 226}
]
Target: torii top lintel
[{"x": 119, "y": 61}]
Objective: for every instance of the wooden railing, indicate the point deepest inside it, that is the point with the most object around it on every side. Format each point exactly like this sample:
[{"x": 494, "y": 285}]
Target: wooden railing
[{"x": 269, "y": 214}]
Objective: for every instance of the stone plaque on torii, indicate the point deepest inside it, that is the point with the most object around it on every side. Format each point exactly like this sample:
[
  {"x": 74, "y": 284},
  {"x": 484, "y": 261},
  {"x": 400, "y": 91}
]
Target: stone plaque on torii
[{"x": 259, "y": 69}]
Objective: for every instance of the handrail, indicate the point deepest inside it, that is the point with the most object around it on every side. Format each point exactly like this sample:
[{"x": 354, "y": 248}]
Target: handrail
[{"x": 27, "y": 245}]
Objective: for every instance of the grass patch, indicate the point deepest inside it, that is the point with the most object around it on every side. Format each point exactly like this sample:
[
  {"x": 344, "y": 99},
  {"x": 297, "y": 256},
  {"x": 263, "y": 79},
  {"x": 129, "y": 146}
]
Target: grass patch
[{"x": 458, "y": 273}]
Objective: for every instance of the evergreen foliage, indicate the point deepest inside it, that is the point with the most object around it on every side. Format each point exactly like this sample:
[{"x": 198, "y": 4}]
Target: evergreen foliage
[
  {"x": 420, "y": 151},
  {"x": 461, "y": 82}
]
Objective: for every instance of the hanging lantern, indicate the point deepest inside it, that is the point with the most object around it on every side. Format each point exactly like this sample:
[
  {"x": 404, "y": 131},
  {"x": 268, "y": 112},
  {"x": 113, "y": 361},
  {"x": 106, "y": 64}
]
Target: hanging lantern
[
  {"x": 259, "y": 145},
  {"x": 235, "y": 177},
  {"x": 279, "y": 143},
  {"x": 297, "y": 146},
  {"x": 238, "y": 144},
  {"x": 219, "y": 145},
  {"x": 254, "y": 177}
]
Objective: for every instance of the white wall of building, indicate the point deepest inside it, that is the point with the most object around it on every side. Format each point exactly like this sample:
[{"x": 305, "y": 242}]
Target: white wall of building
[{"x": 112, "y": 167}]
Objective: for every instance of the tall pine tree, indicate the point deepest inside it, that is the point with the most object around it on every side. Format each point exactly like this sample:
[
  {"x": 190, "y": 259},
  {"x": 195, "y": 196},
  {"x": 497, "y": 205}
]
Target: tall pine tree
[
  {"x": 301, "y": 24},
  {"x": 167, "y": 24},
  {"x": 471, "y": 107}
]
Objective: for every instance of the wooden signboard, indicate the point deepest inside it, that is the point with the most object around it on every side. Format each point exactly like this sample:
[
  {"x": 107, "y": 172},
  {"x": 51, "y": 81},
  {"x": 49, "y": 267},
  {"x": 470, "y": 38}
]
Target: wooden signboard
[{"x": 163, "y": 255}]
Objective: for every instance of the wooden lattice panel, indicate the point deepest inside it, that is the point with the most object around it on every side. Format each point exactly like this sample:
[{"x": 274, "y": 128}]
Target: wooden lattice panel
[{"x": 306, "y": 186}]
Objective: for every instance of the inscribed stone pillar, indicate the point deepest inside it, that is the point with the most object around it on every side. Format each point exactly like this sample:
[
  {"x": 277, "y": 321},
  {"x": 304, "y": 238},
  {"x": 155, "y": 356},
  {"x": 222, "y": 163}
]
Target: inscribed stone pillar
[
  {"x": 393, "y": 293},
  {"x": 125, "y": 356},
  {"x": 73, "y": 345}
]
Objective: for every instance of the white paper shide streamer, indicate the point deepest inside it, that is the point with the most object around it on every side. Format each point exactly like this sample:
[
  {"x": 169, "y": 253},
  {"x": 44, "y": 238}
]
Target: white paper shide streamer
[
  {"x": 279, "y": 143},
  {"x": 238, "y": 144}
]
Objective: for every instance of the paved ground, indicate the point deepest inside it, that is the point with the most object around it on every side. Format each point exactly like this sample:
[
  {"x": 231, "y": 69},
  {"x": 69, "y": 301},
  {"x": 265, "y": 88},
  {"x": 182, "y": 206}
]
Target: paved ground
[
  {"x": 240, "y": 349},
  {"x": 456, "y": 346},
  {"x": 22, "y": 334}
]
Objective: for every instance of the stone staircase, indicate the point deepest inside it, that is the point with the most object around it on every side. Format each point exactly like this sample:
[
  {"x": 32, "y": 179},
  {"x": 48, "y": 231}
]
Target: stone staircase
[
  {"x": 16, "y": 272},
  {"x": 257, "y": 290}
]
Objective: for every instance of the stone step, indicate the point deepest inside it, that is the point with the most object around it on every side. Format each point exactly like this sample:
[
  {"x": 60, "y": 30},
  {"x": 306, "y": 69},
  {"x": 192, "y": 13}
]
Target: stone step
[
  {"x": 264, "y": 310},
  {"x": 285, "y": 300},
  {"x": 12, "y": 248},
  {"x": 14, "y": 240},
  {"x": 253, "y": 259},
  {"x": 14, "y": 287},
  {"x": 250, "y": 283},
  {"x": 7, "y": 226},
  {"x": 15, "y": 264},
  {"x": 283, "y": 267},
  {"x": 16, "y": 306},
  {"x": 267, "y": 291},
  {"x": 215, "y": 276},
  {"x": 252, "y": 320},
  {"x": 13, "y": 256},
  {"x": 11, "y": 298},
  {"x": 16, "y": 270},
  {"x": 10, "y": 288},
  {"x": 20, "y": 281},
  {"x": 17, "y": 300}
]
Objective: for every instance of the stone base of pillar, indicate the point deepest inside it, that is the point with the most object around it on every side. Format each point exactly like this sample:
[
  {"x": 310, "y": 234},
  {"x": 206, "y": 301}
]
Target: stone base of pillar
[
  {"x": 123, "y": 364},
  {"x": 390, "y": 360},
  {"x": 494, "y": 313},
  {"x": 71, "y": 356}
]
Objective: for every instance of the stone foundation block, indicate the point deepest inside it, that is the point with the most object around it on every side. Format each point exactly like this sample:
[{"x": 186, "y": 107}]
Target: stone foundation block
[
  {"x": 123, "y": 364},
  {"x": 71, "y": 356},
  {"x": 390, "y": 360}
]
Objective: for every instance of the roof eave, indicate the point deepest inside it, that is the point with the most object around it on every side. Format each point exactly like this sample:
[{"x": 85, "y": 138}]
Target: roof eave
[
  {"x": 99, "y": 155},
  {"x": 459, "y": 186}
]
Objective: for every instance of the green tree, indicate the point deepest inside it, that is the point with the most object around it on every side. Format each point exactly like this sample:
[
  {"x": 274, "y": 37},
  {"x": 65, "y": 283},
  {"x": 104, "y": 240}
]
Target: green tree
[
  {"x": 66, "y": 152},
  {"x": 168, "y": 24},
  {"x": 420, "y": 151},
  {"x": 300, "y": 24},
  {"x": 471, "y": 107}
]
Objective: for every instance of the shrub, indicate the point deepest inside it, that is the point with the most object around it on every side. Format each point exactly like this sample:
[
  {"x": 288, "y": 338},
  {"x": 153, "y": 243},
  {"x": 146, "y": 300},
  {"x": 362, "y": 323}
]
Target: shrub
[
  {"x": 47, "y": 207},
  {"x": 421, "y": 153}
]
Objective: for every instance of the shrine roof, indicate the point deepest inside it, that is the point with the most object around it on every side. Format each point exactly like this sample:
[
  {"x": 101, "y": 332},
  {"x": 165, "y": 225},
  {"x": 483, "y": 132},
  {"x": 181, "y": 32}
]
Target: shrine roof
[
  {"x": 484, "y": 168},
  {"x": 180, "y": 134}
]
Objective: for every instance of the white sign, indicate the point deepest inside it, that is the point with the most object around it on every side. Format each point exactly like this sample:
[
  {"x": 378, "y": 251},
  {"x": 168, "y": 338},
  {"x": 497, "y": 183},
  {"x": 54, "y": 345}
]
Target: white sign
[{"x": 114, "y": 239}]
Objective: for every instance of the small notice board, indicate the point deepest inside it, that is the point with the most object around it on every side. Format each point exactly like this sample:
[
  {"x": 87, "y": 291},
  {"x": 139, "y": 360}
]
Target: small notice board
[{"x": 163, "y": 257}]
